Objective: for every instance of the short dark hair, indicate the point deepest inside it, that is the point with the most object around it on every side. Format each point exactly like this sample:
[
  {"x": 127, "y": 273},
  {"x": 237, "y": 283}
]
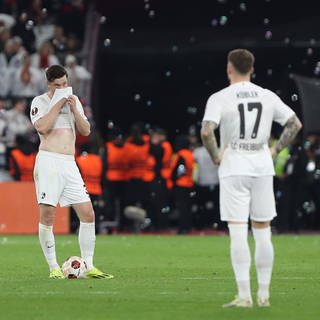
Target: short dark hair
[
  {"x": 55, "y": 72},
  {"x": 242, "y": 60}
]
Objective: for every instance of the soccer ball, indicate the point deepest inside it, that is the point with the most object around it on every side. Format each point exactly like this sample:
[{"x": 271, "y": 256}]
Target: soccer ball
[{"x": 74, "y": 268}]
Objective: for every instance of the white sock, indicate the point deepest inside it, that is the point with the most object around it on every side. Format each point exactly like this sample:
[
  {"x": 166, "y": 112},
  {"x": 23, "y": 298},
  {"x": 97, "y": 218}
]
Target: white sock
[
  {"x": 264, "y": 255},
  {"x": 47, "y": 243},
  {"x": 87, "y": 240},
  {"x": 240, "y": 258}
]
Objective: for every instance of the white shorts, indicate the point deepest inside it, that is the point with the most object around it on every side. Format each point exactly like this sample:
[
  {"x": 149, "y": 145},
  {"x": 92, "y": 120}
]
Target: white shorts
[
  {"x": 242, "y": 197},
  {"x": 58, "y": 179}
]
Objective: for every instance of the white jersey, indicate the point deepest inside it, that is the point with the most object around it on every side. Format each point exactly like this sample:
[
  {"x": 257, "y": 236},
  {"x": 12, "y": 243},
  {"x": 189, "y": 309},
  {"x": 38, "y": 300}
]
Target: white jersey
[
  {"x": 245, "y": 112},
  {"x": 41, "y": 105}
]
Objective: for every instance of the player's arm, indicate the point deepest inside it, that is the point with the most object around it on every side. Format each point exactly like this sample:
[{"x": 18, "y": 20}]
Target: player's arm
[
  {"x": 82, "y": 124},
  {"x": 209, "y": 140},
  {"x": 291, "y": 128},
  {"x": 45, "y": 123}
]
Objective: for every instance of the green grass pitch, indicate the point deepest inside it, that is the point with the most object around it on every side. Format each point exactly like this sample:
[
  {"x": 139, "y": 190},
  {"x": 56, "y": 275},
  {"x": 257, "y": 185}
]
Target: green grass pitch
[{"x": 156, "y": 277}]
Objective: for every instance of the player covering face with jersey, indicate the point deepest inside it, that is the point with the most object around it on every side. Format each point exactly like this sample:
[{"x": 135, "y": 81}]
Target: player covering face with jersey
[
  {"x": 244, "y": 113},
  {"x": 56, "y": 115}
]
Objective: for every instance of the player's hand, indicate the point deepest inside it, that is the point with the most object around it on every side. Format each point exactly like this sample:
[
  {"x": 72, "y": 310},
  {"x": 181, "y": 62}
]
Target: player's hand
[
  {"x": 217, "y": 160},
  {"x": 71, "y": 100}
]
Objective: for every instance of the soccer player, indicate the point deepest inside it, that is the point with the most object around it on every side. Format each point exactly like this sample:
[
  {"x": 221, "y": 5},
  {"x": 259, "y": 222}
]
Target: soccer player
[
  {"x": 57, "y": 177},
  {"x": 245, "y": 112}
]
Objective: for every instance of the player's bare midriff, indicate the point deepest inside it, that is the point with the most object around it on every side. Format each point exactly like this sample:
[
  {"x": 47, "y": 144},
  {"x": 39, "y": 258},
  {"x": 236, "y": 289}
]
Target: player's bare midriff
[{"x": 61, "y": 140}]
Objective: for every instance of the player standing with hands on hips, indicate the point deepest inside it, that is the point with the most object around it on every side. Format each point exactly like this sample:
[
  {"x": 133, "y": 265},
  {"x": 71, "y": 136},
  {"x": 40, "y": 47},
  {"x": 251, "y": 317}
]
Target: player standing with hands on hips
[
  {"x": 56, "y": 115},
  {"x": 245, "y": 112}
]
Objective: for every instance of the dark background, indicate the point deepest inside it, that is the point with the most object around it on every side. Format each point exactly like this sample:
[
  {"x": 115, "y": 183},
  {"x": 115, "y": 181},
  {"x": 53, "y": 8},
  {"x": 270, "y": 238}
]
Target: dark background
[{"x": 163, "y": 61}]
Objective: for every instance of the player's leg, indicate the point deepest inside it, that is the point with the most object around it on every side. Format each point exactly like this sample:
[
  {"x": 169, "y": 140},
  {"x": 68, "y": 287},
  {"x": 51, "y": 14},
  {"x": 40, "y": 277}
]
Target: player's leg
[
  {"x": 240, "y": 260},
  {"x": 87, "y": 239},
  {"x": 75, "y": 194},
  {"x": 264, "y": 255},
  {"x": 48, "y": 193},
  {"x": 234, "y": 204},
  {"x": 263, "y": 210},
  {"x": 46, "y": 238},
  {"x": 87, "y": 236}
]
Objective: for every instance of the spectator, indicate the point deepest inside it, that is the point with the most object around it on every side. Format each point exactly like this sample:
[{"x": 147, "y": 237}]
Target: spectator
[
  {"x": 115, "y": 167},
  {"x": 183, "y": 186},
  {"x": 294, "y": 188},
  {"x": 6, "y": 20},
  {"x": 22, "y": 159},
  {"x": 59, "y": 42},
  {"x": 25, "y": 31},
  {"x": 3, "y": 133},
  {"x": 18, "y": 123},
  {"x": 193, "y": 137},
  {"x": 72, "y": 17},
  {"x": 73, "y": 45},
  {"x": 91, "y": 169},
  {"x": 78, "y": 75},
  {"x": 35, "y": 10},
  {"x": 161, "y": 151},
  {"x": 16, "y": 61},
  {"x": 167, "y": 156},
  {"x": 280, "y": 185},
  {"x": 45, "y": 57},
  {"x": 137, "y": 193},
  {"x": 5, "y": 82},
  {"x": 27, "y": 81},
  {"x": 207, "y": 189},
  {"x": 5, "y": 34},
  {"x": 4, "y": 174},
  {"x": 7, "y": 54},
  {"x": 311, "y": 206},
  {"x": 43, "y": 32}
]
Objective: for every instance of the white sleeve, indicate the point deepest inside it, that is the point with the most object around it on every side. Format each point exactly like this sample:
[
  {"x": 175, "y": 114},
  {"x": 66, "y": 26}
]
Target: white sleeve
[
  {"x": 80, "y": 108},
  {"x": 37, "y": 110},
  {"x": 213, "y": 110},
  {"x": 281, "y": 112}
]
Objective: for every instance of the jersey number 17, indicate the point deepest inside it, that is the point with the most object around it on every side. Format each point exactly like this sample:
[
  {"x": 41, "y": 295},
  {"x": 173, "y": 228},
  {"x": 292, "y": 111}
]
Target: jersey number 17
[{"x": 250, "y": 106}]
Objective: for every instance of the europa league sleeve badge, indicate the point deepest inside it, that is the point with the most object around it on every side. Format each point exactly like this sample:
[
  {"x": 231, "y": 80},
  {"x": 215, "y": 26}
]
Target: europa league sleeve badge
[{"x": 34, "y": 111}]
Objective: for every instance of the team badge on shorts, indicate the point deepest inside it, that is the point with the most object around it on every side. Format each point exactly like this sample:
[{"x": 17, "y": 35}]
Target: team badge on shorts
[
  {"x": 43, "y": 195},
  {"x": 34, "y": 111},
  {"x": 85, "y": 189}
]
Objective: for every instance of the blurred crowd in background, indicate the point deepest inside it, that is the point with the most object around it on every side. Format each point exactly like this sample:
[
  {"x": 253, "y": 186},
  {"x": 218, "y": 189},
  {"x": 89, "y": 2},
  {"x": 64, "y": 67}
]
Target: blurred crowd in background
[
  {"x": 138, "y": 180},
  {"x": 31, "y": 40}
]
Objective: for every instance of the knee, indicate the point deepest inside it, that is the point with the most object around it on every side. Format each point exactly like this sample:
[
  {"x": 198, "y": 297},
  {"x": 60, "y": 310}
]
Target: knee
[
  {"x": 47, "y": 216},
  {"x": 85, "y": 212},
  {"x": 88, "y": 216},
  {"x": 47, "y": 221}
]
